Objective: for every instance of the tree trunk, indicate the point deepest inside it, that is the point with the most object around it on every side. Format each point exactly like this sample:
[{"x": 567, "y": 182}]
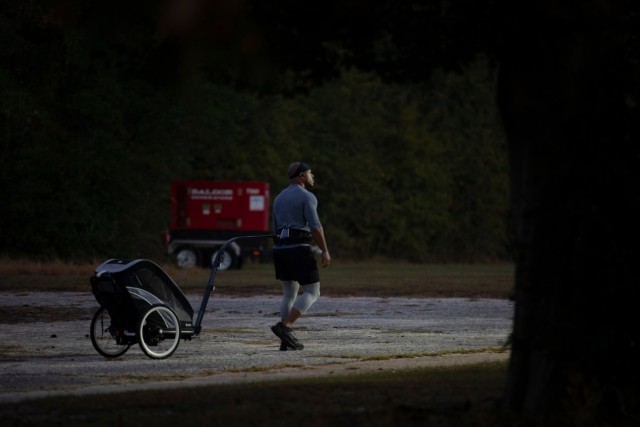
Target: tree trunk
[{"x": 566, "y": 94}]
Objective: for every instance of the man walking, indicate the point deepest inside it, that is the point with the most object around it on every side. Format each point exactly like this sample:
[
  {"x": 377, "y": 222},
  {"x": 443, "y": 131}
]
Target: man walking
[{"x": 296, "y": 222}]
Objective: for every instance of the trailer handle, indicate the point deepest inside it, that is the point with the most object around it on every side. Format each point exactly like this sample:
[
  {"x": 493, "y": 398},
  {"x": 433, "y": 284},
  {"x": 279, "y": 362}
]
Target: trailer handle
[{"x": 214, "y": 269}]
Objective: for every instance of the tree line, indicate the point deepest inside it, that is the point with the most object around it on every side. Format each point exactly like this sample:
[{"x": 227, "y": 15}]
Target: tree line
[{"x": 95, "y": 127}]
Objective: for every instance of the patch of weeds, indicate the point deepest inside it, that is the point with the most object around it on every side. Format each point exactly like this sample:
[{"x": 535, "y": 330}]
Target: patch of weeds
[
  {"x": 409, "y": 331},
  {"x": 342, "y": 356},
  {"x": 228, "y": 330},
  {"x": 265, "y": 368},
  {"x": 31, "y": 314},
  {"x": 436, "y": 354},
  {"x": 141, "y": 379},
  {"x": 11, "y": 350},
  {"x": 335, "y": 314}
]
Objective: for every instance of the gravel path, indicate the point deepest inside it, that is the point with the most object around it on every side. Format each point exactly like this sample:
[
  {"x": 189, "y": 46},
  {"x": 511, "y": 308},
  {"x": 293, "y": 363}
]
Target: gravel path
[{"x": 44, "y": 355}]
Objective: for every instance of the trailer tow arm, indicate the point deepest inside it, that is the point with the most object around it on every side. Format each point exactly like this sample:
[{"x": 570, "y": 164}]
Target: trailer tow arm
[{"x": 214, "y": 269}]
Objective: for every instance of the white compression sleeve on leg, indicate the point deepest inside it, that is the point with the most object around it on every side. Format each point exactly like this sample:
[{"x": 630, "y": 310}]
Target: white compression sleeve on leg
[
  {"x": 289, "y": 294},
  {"x": 306, "y": 300}
]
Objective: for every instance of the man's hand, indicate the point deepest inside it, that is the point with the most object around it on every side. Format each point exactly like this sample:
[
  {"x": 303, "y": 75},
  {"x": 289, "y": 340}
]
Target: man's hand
[
  {"x": 326, "y": 259},
  {"x": 318, "y": 236}
]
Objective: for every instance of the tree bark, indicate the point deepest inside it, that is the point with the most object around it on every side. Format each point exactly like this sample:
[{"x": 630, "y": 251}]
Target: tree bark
[{"x": 567, "y": 98}]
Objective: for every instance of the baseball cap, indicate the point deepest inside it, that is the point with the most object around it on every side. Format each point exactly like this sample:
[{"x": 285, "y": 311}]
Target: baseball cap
[{"x": 297, "y": 168}]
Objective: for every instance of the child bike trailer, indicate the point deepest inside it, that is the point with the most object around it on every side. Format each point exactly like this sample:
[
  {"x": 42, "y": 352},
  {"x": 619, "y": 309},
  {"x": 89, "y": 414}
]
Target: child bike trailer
[{"x": 139, "y": 303}]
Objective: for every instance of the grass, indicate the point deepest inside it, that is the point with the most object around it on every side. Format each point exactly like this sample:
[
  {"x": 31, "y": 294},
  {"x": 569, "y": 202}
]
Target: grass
[
  {"x": 467, "y": 395},
  {"x": 384, "y": 279}
]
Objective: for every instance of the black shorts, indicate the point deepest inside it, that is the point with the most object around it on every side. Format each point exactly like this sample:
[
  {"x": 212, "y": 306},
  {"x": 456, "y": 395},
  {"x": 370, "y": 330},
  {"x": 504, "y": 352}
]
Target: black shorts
[{"x": 297, "y": 263}]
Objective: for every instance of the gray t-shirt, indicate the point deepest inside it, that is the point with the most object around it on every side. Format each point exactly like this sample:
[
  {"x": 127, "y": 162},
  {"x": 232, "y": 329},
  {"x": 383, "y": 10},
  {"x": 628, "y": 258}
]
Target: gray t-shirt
[{"x": 295, "y": 207}]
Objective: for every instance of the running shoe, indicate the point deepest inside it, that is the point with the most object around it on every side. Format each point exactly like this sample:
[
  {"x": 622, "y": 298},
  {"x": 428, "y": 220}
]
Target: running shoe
[{"x": 287, "y": 337}]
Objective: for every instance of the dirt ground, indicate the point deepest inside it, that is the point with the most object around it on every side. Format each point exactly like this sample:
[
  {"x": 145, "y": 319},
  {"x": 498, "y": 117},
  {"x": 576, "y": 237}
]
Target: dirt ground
[{"x": 45, "y": 348}]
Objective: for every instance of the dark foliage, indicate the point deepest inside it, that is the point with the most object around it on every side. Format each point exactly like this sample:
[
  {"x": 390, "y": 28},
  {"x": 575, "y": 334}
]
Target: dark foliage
[{"x": 103, "y": 105}]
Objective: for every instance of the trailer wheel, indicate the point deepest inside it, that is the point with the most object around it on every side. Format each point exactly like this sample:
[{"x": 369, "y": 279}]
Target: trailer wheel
[
  {"x": 104, "y": 335},
  {"x": 159, "y": 332},
  {"x": 227, "y": 260},
  {"x": 186, "y": 258}
]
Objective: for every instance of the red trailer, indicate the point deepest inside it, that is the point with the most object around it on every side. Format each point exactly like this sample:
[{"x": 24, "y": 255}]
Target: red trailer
[{"x": 205, "y": 214}]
